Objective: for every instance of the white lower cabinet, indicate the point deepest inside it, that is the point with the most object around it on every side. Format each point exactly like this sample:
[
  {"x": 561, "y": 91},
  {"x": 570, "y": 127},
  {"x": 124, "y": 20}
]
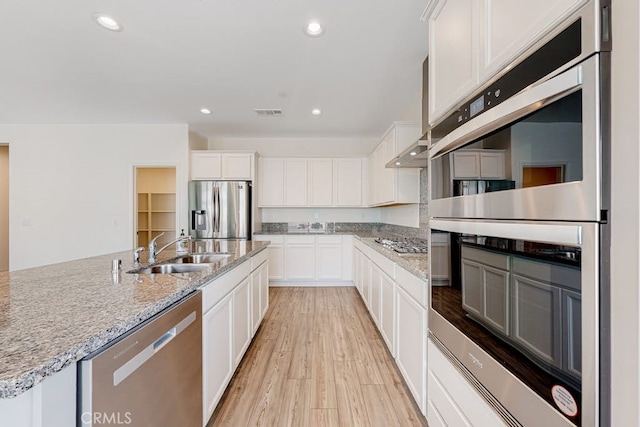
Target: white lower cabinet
[
  {"x": 397, "y": 301},
  {"x": 299, "y": 257},
  {"x": 452, "y": 400},
  {"x": 229, "y": 322},
  {"x": 309, "y": 259},
  {"x": 411, "y": 354},
  {"x": 388, "y": 313},
  {"x": 217, "y": 361},
  {"x": 241, "y": 319},
  {"x": 52, "y": 403}
]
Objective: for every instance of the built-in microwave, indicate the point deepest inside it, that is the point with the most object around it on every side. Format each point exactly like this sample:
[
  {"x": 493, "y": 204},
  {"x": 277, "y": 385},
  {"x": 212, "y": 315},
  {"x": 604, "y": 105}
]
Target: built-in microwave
[
  {"x": 519, "y": 180},
  {"x": 546, "y": 137}
]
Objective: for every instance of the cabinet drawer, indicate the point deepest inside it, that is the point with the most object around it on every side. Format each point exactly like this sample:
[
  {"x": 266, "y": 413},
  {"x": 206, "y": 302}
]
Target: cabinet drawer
[
  {"x": 329, "y": 240},
  {"x": 269, "y": 238},
  {"x": 300, "y": 240},
  {"x": 385, "y": 264},
  {"x": 486, "y": 257},
  {"x": 412, "y": 285},
  {"x": 215, "y": 290},
  {"x": 551, "y": 273},
  {"x": 258, "y": 259}
]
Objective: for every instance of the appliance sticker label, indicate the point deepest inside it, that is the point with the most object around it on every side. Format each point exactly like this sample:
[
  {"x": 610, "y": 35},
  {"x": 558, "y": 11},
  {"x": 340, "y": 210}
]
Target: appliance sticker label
[{"x": 564, "y": 400}]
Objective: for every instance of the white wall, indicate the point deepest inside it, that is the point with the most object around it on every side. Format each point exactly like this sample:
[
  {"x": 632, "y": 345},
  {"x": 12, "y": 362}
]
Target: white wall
[
  {"x": 4, "y": 207},
  {"x": 625, "y": 215},
  {"x": 197, "y": 141},
  {"x": 72, "y": 186},
  {"x": 301, "y": 147},
  {"x": 407, "y": 215}
]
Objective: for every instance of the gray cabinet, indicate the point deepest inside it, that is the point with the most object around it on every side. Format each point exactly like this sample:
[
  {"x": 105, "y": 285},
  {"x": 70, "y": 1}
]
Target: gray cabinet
[
  {"x": 485, "y": 287},
  {"x": 536, "y": 323},
  {"x": 572, "y": 333}
]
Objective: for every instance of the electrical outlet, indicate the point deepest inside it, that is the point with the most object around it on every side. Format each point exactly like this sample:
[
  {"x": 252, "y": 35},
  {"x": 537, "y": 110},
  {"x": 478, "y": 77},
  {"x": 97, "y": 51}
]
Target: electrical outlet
[{"x": 316, "y": 215}]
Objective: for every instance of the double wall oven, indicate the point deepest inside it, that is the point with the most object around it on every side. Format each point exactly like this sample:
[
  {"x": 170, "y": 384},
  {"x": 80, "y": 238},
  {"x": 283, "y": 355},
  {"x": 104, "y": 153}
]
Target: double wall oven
[{"x": 519, "y": 179}]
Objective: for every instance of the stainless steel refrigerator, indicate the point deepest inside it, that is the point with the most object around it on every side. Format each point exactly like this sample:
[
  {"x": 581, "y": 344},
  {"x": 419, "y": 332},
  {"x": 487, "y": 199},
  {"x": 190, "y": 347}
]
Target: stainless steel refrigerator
[{"x": 220, "y": 209}]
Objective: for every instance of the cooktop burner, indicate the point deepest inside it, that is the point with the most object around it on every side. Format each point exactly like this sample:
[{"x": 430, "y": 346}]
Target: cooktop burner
[{"x": 404, "y": 245}]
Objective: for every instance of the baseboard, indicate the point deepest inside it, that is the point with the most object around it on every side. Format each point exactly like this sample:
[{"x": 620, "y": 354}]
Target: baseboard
[{"x": 309, "y": 283}]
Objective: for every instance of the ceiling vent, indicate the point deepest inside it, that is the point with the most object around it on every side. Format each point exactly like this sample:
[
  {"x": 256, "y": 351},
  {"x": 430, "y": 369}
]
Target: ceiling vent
[{"x": 268, "y": 112}]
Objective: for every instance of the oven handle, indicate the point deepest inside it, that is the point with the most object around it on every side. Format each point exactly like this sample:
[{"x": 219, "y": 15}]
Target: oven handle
[
  {"x": 554, "y": 233},
  {"x": 523, "y": 103}
]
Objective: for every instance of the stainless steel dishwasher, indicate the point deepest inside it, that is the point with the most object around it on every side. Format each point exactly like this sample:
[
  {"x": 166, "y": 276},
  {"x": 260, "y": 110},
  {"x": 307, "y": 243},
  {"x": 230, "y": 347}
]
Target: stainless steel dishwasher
[{"x": 152, "y": 376}]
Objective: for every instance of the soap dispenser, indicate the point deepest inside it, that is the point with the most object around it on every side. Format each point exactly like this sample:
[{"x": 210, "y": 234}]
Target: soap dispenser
[{"x": 183, "y": 244}]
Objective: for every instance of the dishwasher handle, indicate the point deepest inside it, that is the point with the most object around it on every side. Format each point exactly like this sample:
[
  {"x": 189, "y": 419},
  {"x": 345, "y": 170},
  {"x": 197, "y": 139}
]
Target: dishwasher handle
[{"x": 139, "y": 359}]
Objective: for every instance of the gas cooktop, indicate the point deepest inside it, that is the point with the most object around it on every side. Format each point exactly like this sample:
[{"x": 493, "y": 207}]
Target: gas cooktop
[{"x": 404, "y": 245}]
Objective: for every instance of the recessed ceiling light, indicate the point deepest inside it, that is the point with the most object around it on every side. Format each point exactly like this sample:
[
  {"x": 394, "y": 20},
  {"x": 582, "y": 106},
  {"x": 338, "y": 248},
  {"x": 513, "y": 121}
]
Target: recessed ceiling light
[
  {"x": 413, "y": 153},
  {"x": 313, "y": 29},
  {"x": 316, "y": 111},
  {"x": 105, "y": 21},
  {"x": 205, "y": 111},
  {"x": 398, "y": 163}
]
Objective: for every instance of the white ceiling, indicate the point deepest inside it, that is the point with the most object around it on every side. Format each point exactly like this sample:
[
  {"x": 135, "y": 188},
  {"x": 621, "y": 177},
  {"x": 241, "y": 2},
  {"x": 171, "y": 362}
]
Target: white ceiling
[{"x": 176, "y": 56}]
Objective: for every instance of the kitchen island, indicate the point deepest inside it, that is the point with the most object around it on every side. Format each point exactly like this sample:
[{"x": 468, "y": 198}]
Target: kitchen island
[{"x": 53, "y": 316}]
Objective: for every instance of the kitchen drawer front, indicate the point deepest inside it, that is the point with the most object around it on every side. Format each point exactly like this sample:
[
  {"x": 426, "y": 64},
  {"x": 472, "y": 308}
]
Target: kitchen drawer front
[
  {"x": 215, "y": 290},
  {"x": 258, "y": 259},
  {"x": 493, "y": 259},
  {"x": 412, "y": 285},
  {"x": 301, "y": 240},
  {"x": 277, "y": 239},
  {"x": 551, "y": 273},
  {"x": 383, "y": 262},
  {"x": 329, "y": 240}
]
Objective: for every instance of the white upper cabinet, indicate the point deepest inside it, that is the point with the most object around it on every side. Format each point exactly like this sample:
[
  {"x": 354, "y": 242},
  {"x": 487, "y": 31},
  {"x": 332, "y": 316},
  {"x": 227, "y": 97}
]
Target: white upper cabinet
[
  {"x": 347, "y": 182},
  {"x": 320, "y": 182},
  {"x": 271, "y": 182},
  {"x": 212, "y": 165},
  {"x": 304, "y": 182},
  {"x": 389, "y": 186},
  {"x": 508, "y": 28},
  {"x": 453, "y": 67},
  {"x": 295, "y": 182},
  {"x": 472, "y": 41}
]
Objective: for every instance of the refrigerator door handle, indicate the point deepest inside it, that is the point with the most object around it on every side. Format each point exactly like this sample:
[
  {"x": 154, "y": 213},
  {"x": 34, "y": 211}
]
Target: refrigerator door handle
[
  {"x": 198, "y": 220},
  {"x": 217, "y": 203}
]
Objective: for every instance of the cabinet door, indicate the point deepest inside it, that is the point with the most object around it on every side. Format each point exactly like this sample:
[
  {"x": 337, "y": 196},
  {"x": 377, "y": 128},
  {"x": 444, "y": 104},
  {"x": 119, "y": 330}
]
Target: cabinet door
[
  {"x": 387, "y": 176},
  {"x": 374, "y": 293},
  {"x": 217, "y": 362},
  {"x": 264, "y": 289},
  {"x": 496, "y": 298},
  {"x": 276, "y": 261},
  {"x": 388, "y": 312},
  {"x": 411, "y": 355},
  {"x": 256, "y": 313},
  {"x": 357, "y": 270},
  {"x": 472, "y": 287},
  {"x": 329, "y": 258},
  {"x": 295, "y": 182},
  {"x": 536, "y": 321},
  {"x": 271, "y": 182},
  {"x": 572, "y": 333},
  {"x": 299, "y": 257},
  {"x": 206, "y": 165},
  {"x": 320, "y": 182},
  {"x": 241, "y": 320},
  {"x": 366, "y": 281},
  {"x": 466, "y": 165},
  {"x": 237, "y": 166},
  {"x": 347, "y": 182},
  {"x": 492, "y": 165},
  {"x": 508, "y": 28},
  {"x": 452, "y": 49}
]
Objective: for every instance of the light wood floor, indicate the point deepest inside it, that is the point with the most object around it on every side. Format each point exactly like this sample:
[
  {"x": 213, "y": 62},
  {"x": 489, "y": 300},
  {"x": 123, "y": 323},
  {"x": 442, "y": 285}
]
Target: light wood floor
[{"x": 317, "y": 360}]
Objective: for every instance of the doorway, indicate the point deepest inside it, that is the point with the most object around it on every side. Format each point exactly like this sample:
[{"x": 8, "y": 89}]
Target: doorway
[
  {"x": 155, "y": 205},
  {"x": 4, "y": 207}
]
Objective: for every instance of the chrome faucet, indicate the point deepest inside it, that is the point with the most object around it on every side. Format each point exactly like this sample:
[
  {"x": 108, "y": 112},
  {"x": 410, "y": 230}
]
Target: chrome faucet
[{"x": 153, "y": 253}]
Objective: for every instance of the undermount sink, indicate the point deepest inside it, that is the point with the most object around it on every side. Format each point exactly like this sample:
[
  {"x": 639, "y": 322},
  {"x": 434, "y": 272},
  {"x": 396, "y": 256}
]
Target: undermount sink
[
  {"x": 202, "y": 258},
  {"x": 171, "y": 268}
]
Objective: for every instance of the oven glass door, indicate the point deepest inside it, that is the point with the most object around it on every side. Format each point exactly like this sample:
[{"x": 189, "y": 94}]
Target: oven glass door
[
  {"x": 519, "y": 311},
  {"x": 534, "y": 156}
]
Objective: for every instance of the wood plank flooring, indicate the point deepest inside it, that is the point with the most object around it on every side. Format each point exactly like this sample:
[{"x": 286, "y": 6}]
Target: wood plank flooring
[{"x": 317, "y": 360}]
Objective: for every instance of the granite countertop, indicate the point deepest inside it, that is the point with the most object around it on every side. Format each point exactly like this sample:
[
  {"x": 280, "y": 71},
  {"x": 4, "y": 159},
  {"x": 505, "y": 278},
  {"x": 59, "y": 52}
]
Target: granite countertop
[
  {"x": 53, "y": 316},
  {"x": 416, "y": 264}
]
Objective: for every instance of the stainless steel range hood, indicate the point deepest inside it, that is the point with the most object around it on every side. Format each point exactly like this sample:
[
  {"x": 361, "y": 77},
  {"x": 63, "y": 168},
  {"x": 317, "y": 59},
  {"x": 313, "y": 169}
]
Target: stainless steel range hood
[{"x": 416, "y": 155}]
